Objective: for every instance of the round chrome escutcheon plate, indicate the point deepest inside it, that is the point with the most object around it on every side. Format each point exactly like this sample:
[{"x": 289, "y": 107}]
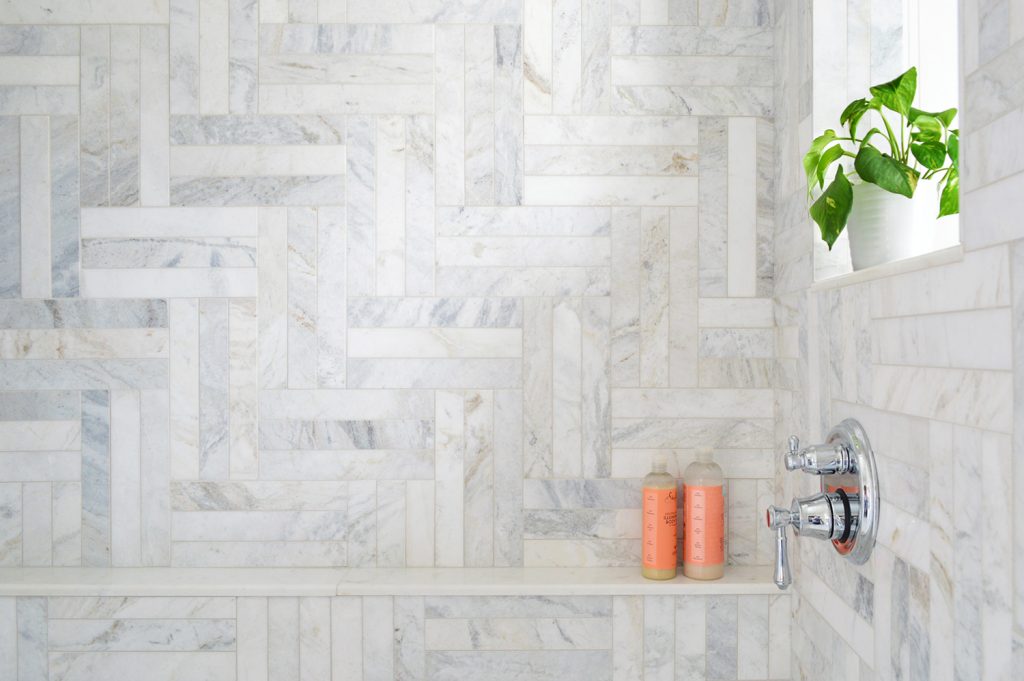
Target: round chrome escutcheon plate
[{"x": 861, "y": 485}]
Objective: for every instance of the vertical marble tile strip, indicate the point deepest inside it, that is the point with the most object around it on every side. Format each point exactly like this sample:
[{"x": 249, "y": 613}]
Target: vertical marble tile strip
[
  {"x": 314, "y": 639},
  {"x": 124, "y": 115},
  {"x": 780, "y": 619},
  {"x": 183, "y": 322},
  {"x": 713, "y": 201},
  {"x": 537, "y": 53},
  {"x": 628, "y": 634},
  {"x": 362, "y": 523},
  {"x": 479, "y": 479},
  {"x": 968, "y": 586},
  {"x": 378, "y": 638},
  {"x": 360, "y": 202},
  {"x": 683, "y": 12},
  {"x": 940, "y": 545},
  {"x": 214, "y": 41},
  {"x": 332, "y": 12},
  {"x": 654, "y": 12},
  {"x": 95, "y": 125},
  {"x": 419, "y": 523},
  {"x": 125, "y": 479},
  {"x": 37, "y": 524},
  {"x": 508, "y": 478},
  {"x": 480, "y": 115},
  {"x": 691, "y": 638},
  {"x": 391, "y": 523},
  {"x": 1017, "y": 260},
  {"x": 331, "y": 298},
  {"x": 302, "y": 11},
  {"x": 64, "y": 205},
  {"x": 721, "y": 637},
  {"x": 8, "y": 638},
  {"x": 273, "y": 298},
  {"x": 283, "y": 639},
  {"x": 184, "y": 56},
  {"x": 419, "y": 206},
  {"x": 684, "y": 332},
  {"x": 33, "y": 640},
  {"x": 243, "y": 387},
  {"x": 450, "y": 105},
  {"x": 742, "y": 219},
  {"x": 449, "y": 459},
  {"x": 302, "y": 306},
  {"x": 597, "y": 28},
  {"x": 274, "y": 12},
  {"x": 654, "y": 292},
  {"x": 997, "y": 568},
  {"x": 508, "y": 115},
  {"x": 567, "y": 389},
  {"x": 10, "y": 207},
  {"x": 390, "y": 237},
  {"x": 741, "y": 533},
  {"x": 156, "y": 478},
  {"x": 752, "y": 637},
  {"x": 243, "y": 56},
  {"x": 253, "y": 638},
  {"x": 67, "y": 524},
  {"x": 214, "y": 454},
  {"x": 95, "y": 478},
  {"x": 410, "y": 653},
  {"x": 35, "y": 207},
  {"x": 596, "y": 405},
  {"x": 659, "y": 638},
  {"x": 567, "y": 56},
  {"x": 538, "y": 359},
  {"x": 765, "y": 208},
  {"x": 154, "y": 134},
  {"x": 625, "y": 297},
  {"x": 346, "y": 638},
  {"x": 11, "y": 534}
]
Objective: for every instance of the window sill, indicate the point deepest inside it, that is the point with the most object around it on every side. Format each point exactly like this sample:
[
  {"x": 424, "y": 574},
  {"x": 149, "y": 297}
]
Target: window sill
[{"x": 918, "y": 262}]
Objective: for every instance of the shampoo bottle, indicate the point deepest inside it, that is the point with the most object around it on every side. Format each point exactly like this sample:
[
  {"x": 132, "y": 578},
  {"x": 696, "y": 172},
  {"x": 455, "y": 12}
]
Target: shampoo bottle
[
  {"x": 660, "y": 499},
  {"x": 703, "y": 518}
]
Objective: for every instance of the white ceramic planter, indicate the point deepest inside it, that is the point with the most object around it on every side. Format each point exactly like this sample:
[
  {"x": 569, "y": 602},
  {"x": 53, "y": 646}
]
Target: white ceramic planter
[{"x": 884, "y": 227}]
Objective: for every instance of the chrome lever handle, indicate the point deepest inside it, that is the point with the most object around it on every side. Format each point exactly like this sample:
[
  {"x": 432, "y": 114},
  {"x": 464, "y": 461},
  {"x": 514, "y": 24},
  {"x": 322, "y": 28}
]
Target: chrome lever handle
[{"x": 778, "y": 518}]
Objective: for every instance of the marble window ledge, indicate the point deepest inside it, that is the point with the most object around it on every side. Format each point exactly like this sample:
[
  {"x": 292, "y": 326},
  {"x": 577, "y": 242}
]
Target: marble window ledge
[
  {"x": 370, "y": 582},
  {"x": 923, "y": 261}
]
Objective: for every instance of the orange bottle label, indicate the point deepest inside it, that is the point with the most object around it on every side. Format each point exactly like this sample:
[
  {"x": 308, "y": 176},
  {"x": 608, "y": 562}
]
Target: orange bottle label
[
  {"x": 659, "y": 536},
  {"x": 703, "y": 525}
]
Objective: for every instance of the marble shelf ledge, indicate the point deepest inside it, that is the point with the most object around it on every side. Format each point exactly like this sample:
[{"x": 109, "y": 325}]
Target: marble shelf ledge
[{"x": 370, "y": 582}]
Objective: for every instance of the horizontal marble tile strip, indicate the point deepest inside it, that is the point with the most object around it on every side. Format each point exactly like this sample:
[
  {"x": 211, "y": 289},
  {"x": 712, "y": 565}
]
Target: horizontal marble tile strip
[
  {"x": 348, "y": 404},
  {"x": 350, "y": 38},
  {"x": 145, "y": 635},
  {"x": 588, "y": 633},
  {"x": 363, "y": 464},
  {"x": 259, "y": 525},
  {"x": 436, "y": 11},
  {"x": 402, "y": 69},
  {"x": 149, "y": 665},
  {"x": 332, "y": 434},
  {"x": 734, "y": 433},
  {"x": 40, "y": 405},
  {"x": 83, "y": 374},
  {"x": 566, "y": 553},
  {"x": 582, "y": 523},
  {"x": 754, "y": 41},
  {"x": 75, "y": 12},
  {"x": 40, "y": 466},
  {"x": 212, "y": 282},
  {"x": 606, "y": 191},
  {"x": 691, "y": 403},
  {"x": 693, "y": 100},
  {"x": 259, "y": 554},
  {"x": 136, "y": 608},
  {"x": 521, "y": 251},
  {"x": 611, "y": 130},
  {"x": 489, "y": 607},
  {"x": 83, "y": 343},
  {"x": 38, "y": 100},
  {"x": 434, "y": 373},
  {"x": 523, "y": 221},
  {"x": 263, "y": 129},
  {"x": 435, "y": 312},
  {"x": 259, "y": 496},
  {"x": 35, "y": 436},
  {"x": 346, "y": 99},
  {"x": 610, "y": 160},
  {"x": 125, "y": 222},
  {"x": 94, "y": 314},
  {"x": 145, "y": 252},
  {"x": 691, "y": 70},
  {"x": 49, "y": 70},
  {"x": 525, "y": 281},
  {"x": 427, "y": 343},
  {"x": 735, "y": 463},
  {"x": 249, "y": 160},
  {"x": 735, "y": 312},
  {"x": 287, "y": 190},
  {"x": 542, "y": 665},
  {"x": 40, "y": 40},
  {"x": 557, "y": 494}
]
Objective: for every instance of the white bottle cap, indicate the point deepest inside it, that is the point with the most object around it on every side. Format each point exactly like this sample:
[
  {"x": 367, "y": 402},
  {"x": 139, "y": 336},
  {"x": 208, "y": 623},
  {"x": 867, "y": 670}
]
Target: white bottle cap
[{"x": 705, "y": 454}]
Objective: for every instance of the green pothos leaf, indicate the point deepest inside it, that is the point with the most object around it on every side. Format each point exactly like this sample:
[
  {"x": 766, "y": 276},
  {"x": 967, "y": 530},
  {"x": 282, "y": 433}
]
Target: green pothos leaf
[
  {"x": 931, "y": 154},
  {"x": 898, "y": 93},
  {"x": 832, "y": 209},
  {"x": 949, "y": 199},
  {"x": 886, "y": 172}
]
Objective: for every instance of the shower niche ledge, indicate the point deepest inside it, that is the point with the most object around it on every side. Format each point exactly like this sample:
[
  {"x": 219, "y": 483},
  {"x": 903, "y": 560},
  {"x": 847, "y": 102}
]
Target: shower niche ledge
[{"x": 738, "y": 580}]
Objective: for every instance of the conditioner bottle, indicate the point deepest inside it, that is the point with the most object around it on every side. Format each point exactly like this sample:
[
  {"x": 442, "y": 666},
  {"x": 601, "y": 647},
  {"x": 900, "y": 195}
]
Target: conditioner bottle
[
  {"x": 703, "y": 518},
  {"x": 660, "y": 501}
]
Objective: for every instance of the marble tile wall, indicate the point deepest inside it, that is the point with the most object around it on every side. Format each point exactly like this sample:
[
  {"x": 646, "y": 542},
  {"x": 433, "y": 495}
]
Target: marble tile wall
[
  {"x": 402, "y": 637},
  {"x": 929, "y": 361},
  {"x": 327, "y": 283}
]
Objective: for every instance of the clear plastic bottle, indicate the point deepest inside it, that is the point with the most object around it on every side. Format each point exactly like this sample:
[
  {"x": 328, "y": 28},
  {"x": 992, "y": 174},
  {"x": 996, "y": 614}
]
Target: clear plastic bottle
[
  {"x": 703, "y": 518},
  {"x": 660, "y": 518}
]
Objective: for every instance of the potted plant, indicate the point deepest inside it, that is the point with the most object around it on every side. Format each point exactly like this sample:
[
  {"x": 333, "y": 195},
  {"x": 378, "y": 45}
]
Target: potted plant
[{"x": 904, "y": 176}]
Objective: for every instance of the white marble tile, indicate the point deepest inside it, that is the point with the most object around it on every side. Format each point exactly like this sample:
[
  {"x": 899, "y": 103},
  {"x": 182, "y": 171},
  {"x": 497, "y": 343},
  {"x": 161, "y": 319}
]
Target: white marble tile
[
  {"x": 128, "y": 635},
  {"x": 691, "y": 638},
  {"x": 519, "y": 634},
  {"x": 537, "y": 56},
  {"x": 378, "y": 638},
  {"x": 243, "y": 377},
  {"x": 253, "y": 639},
  {"x": 236, "y": 160},
  {"x": 283, "y": 638},
  {"x": 159, "y": 666},
  {"x": 302, "y": 298},
  {"x": 35, "y": 207},
  {"x": 155, "y": 473},
  {"x": 67, "y": 523},
  {"x": 273, "y": 299},
  {"x": 9, "y": 637},
  {"x": 628, "y": 634},
  {"x": 154, "y": 133},
  {"x": 37, "y": 524},
  {"x": 629, "y": 191},
  {"x": 426, "y": 343},
  {"x": 125, "y": 478},
  {"x": 315, "y": 639},
  {"x": 346, "y": 638}
]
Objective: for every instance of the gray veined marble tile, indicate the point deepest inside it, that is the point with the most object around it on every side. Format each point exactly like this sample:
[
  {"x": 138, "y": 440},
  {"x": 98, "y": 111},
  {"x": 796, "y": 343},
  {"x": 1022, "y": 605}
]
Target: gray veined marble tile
[
  {"x": 259, "y": 554},
  {"x": 557, "y": 494},
  {"x": 508, "y": 119},
  {"x": 288, "y": 526},
  {"x": 48, "y": 405},
  {"x": 269, "y": 129},
  {"x": 302, "y": 297},
  {"x": 409, "y": 638},
  {"x": 456, "y": 312},
  {"x": 581, "y": 523},
  {"x": 564, "y": 633},
  {"x": 10, "y": 207},
  {"x": 353, "y": 464},
  {"x": 683, "y": 40},
  {"x": 96, "y": 478},
  {"x": 668, "y": 433},
  {"x": 64, "y": 205},
  {"x": 695, "y": 100},
  {"x": 83, "y": 374},
  {"x": 659, "y": 638},
  {"x": 477, "y": 607},
  {"x": 360, "y": 204},
  {"x": 259, "y": 496},
  {"x": 384, "y": 434},
  {"x": 243, "y": 55},
  {"x": 126, "y": 635},
  {"x": 169, "y": 252},
  {"x": 524, "y": 221},
  {"x": 352, "y": 38},
  {"x": 124, "y": 115},
  {"x": 291, "y": 190},
  {"x": 722, "y": 637},
  {"x": 10, "y": 524},
  {"x": 32, "y": 638},
  {"x": 546, "y": 665},
  {"x": 39, "y": 40},
  {"x": 72, "y": 313},
  {"x": 214, "y": 462}
]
